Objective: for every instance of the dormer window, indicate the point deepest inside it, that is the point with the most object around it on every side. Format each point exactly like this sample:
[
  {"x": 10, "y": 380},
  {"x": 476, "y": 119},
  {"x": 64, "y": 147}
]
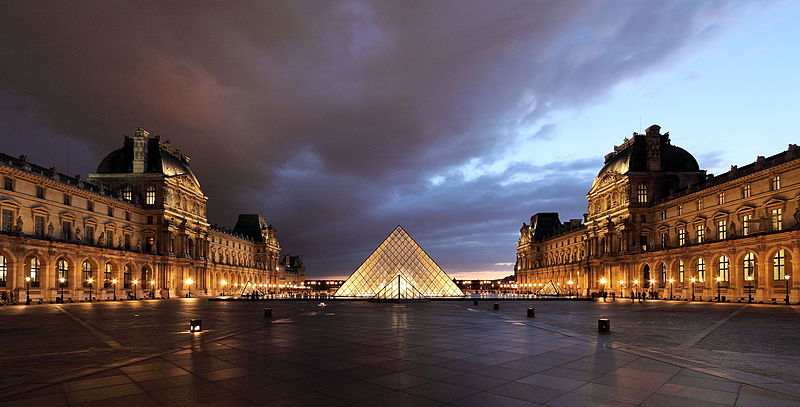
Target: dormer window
[
  {"x": 127, "y": 193},
  {"x": 642, "y": 193},
  {"x": 775, "y": 183},
  {"x": 150, "y": 195},
  {"x": 746, "y": 191},
  {"x": 721, "y": 198}
]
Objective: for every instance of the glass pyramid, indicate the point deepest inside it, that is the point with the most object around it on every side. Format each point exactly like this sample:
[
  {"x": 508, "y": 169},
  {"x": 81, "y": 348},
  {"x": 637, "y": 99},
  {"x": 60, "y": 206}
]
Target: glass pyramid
[
  {"x": 549, "y": 289},
  {"x": 399, "y": 269}
]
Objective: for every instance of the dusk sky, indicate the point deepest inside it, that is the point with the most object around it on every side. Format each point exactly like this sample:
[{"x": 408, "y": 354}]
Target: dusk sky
[{"x": 340, "y": 120}]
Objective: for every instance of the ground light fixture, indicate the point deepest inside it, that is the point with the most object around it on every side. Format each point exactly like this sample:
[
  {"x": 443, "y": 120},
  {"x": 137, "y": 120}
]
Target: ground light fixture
[{"x": 195, "y": 325}]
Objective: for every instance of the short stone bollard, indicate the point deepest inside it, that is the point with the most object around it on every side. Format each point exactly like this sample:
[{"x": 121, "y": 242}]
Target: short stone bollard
[
  {"x": 496, "y": 306},
  {"x": 267, "y": 313},
  {"x": 603, "y": 325},
  {"x": 531, "y": 312},
  {"x": 474, "y": 302}
]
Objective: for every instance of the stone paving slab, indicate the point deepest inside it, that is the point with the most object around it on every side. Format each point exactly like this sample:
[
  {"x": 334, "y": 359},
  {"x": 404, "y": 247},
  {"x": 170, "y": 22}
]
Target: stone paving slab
[{"x": 422, "y": 354}]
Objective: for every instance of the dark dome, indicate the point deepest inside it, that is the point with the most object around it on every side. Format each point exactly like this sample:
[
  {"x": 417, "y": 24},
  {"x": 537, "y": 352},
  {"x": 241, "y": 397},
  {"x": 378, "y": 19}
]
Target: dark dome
[{"x": 161, "y": 159}]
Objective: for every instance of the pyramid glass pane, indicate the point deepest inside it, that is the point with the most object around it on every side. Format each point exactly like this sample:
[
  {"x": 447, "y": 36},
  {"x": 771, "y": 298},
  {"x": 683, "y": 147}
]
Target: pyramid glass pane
[
  {"x": 549, "y": 289},
  {"x": 399, "y": 268}
]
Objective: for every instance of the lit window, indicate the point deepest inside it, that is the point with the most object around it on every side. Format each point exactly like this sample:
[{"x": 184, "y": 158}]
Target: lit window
[
  {"x": 663, "y": 273},
  {"x": 700, "y": 204},
  {"x": 107, "y": 275},
  {"x": 127, "y": 193},
  {"x": 779, "y": 265},
  {"x": 749, "y": 266},
  {"x": 663, "y": 214},
  {"x": 150, "y": 195},
  {"x": 746, "y": 191},
  {"x": 87, "y": 273},
  {"x": 777, "y": 219},
  {"x": 701, "y": 270},
  {"x": 724, "y": 268},
  {"x": 775, "y": 183},
  {"x": 35, "y": 271},
  {"x": 126, "y": 277},
  {"x": 664, "y": 240},
  {"x": 746, "y": 219},
  {"x": 722, "y": 229},
  {"x": 680, "y": 210},
  {"x": 721, "y": 198},
  {"x": 701, "y": 233},
  {"x": 681, "y": 269},
  {"x": 62, "y": 271},
  {"x": 642, "y": 193},
  {"x": 681, "y": 237}
]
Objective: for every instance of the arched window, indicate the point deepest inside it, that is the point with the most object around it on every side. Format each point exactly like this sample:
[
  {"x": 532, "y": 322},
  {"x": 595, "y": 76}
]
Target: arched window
[
  {"x": 749, "y": 266},
  {"x": 62, "y": 271},
  {"x": 108, "y": 275},
  {"x": 3, "y": 271},
  {"x": 150, "y": 195},
  {"x": 701, "y": 270},
  {"x": 127, "y": 193},
  {"x": 35, "y": 271},
  {"x": 724, "y": 268},
  {"x": 126, "y": 277},
  {"x": 681, "y": 270},
  {"x": 779, "y": 265},
  {"x": 86, "y": 267}
]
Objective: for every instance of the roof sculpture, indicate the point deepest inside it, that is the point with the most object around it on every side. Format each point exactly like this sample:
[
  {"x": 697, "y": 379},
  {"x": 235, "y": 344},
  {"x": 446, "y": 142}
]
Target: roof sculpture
[{"x": 399, "y": 269}]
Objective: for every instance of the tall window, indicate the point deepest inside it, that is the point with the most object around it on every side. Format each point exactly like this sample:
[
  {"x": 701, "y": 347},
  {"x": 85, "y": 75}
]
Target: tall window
[
  {"x": 724, "y": 268},
  {"x": 150, "y": 195},
  {"x": 775, "y": 183},
  {"x": 722, "y": 229},
  {"x": 663, "y": 214},
  {"x": 87, "y": 273},
  {"x": 746, "y": 219},
  {"x": 145, "y": 275},
  {"x": 8, "y": 220},
  {"x": 67, "y": 200},
  {"x": 663, "y": 273},
  {"x": 110, "y": 238},
  {"x": 107, "y": 275},
  {"x": 3, "y": 270},
  {"x": 700, "y": 204},
  {"x": 779, "y": 265},
  {"x": 746, "y": 191},
  {"x": 664, "y": 240},
  {"x": 38, "y": 226},
  {"x": 127, "y": 242},
  {"x": 681, "y": 237},
  {"x": 8, "y": 183},
  {"x": 721, "y": 198},
  {"x": 35, "y": 271},
  {"x": 681, "y": 269},
  {"x": 126, "y": 277},
  {"x": 749, "y": 266},
  {"x": 40, "y": 192},
  {"x": 90, "y": 206},
  {"x": 680, "y": 210},
  {"x": 110, "y": 210},
  {"x": 127, "y": 193},
  {"x": 90, "y": 234},
  {"x": 701, "y": 270},
  {"x": 62, "y": 271},
  {"x": 701, "y": 233},
  {"x": 777, "y": 219},
  {"x": 66, "y": 230},
  {"x": 642, "y": 193}
]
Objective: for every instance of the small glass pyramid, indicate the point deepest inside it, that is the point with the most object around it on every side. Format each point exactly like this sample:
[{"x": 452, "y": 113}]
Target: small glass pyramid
[
  {"x": 399, "y": 269},
  {"x": 549, "y": 289}
]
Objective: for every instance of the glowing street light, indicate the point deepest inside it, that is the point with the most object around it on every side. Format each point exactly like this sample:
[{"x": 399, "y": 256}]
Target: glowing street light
[
  {"x": 27, "y": 290},
  {"x": 189, "y": 282},
  {"x": 652, "y": 286},
  {"x": 636, "y": 288},
  {"x": 670, "y": 288},
  {"x": 61, "y": 285},
  {"x": 719, "y": 278},
  {"x": 749, "y": 288},
  {"x": 153, "y": 289},
  {"x": 693, "y": 280},
  {"x": 223, "y": 283},
  {"x": 570, "y": 283},
  {"x": 135, "y": 283},
  {"x": 90, "y": 281},
  {"x": 114, "y": 282},
  {"x": 621, "y": 284},
  {"x": 603, "y": 281},
  {"x": 786, "y": 277}
]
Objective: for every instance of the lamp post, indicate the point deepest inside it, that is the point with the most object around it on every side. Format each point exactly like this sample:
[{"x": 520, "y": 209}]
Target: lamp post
[
  {"x": 114, "y": 282},
  {"x": 61, "y": 286},
  {"x": 718, "y": 293},
  {"x": 570, "y": 283},
  {"x": 135, "y": 282},
  {"x": 692, "y": 280},
  {"x": 670, "y": 288},
  {"x": 621, "y": 284},
  {"x": 153, "y": 289},
  {"x": 90, "y": 281},
  {"x": 223, "y": 283},
  {"x": 786, "y": 277},
  {"x": 749, "y": 288},
  {"x": 652, "y": 286},
  {"x": 603, "y": 282},
  {"x": 636, "y": 288},
  {"x": 189, "y": 282},
  {"x": 28, "y": 290}
]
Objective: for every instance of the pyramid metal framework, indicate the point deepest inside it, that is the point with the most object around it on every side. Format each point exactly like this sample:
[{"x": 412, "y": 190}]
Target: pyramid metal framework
[
  {"x": 549, "y": 289},
  {"x": 399, "y": 269}
]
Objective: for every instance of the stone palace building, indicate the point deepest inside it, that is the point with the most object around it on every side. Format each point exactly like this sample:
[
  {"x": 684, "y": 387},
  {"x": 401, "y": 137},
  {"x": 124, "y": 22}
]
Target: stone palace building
[
  {"x": 657, "y": 223},
  {"x": 136, "y": 225}
]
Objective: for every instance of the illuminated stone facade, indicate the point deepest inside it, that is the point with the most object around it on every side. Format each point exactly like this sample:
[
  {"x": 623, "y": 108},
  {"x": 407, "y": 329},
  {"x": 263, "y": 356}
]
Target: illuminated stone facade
[
  {"x": 653, "y": 215},
  {"x": 140, "y": 220}
]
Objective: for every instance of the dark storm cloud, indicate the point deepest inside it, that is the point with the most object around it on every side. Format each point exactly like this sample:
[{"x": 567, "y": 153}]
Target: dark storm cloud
[{"x": 332, "y": 117}]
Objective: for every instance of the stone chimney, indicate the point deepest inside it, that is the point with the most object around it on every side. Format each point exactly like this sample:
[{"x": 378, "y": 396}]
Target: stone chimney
[
  {"x": 653, "y": 139},
  {"x": 140, "y": 138}
]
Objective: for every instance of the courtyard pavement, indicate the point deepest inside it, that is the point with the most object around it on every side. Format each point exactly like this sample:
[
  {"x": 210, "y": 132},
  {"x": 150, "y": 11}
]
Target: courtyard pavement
[{"x": 139, "y": 353}]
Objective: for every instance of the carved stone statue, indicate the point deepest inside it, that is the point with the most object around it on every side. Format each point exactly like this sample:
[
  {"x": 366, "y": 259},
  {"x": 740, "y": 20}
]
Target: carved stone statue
[
  {"x": 78, "y": 234},
  {"x": 733, "y": 229},
  {"x": 139, "y": 245},
  {"x": 797, "y": 215},
  {"x": 19, "y": 224},
  {"x": 102, "y": 238},
  {"x": 119, "y": 241},
  {"x": 50, "y": 230}
]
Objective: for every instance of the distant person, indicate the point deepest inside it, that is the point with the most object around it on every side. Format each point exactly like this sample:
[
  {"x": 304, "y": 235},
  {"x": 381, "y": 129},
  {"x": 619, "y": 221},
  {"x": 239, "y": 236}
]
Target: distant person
[{"x": 605, "y": 294}]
